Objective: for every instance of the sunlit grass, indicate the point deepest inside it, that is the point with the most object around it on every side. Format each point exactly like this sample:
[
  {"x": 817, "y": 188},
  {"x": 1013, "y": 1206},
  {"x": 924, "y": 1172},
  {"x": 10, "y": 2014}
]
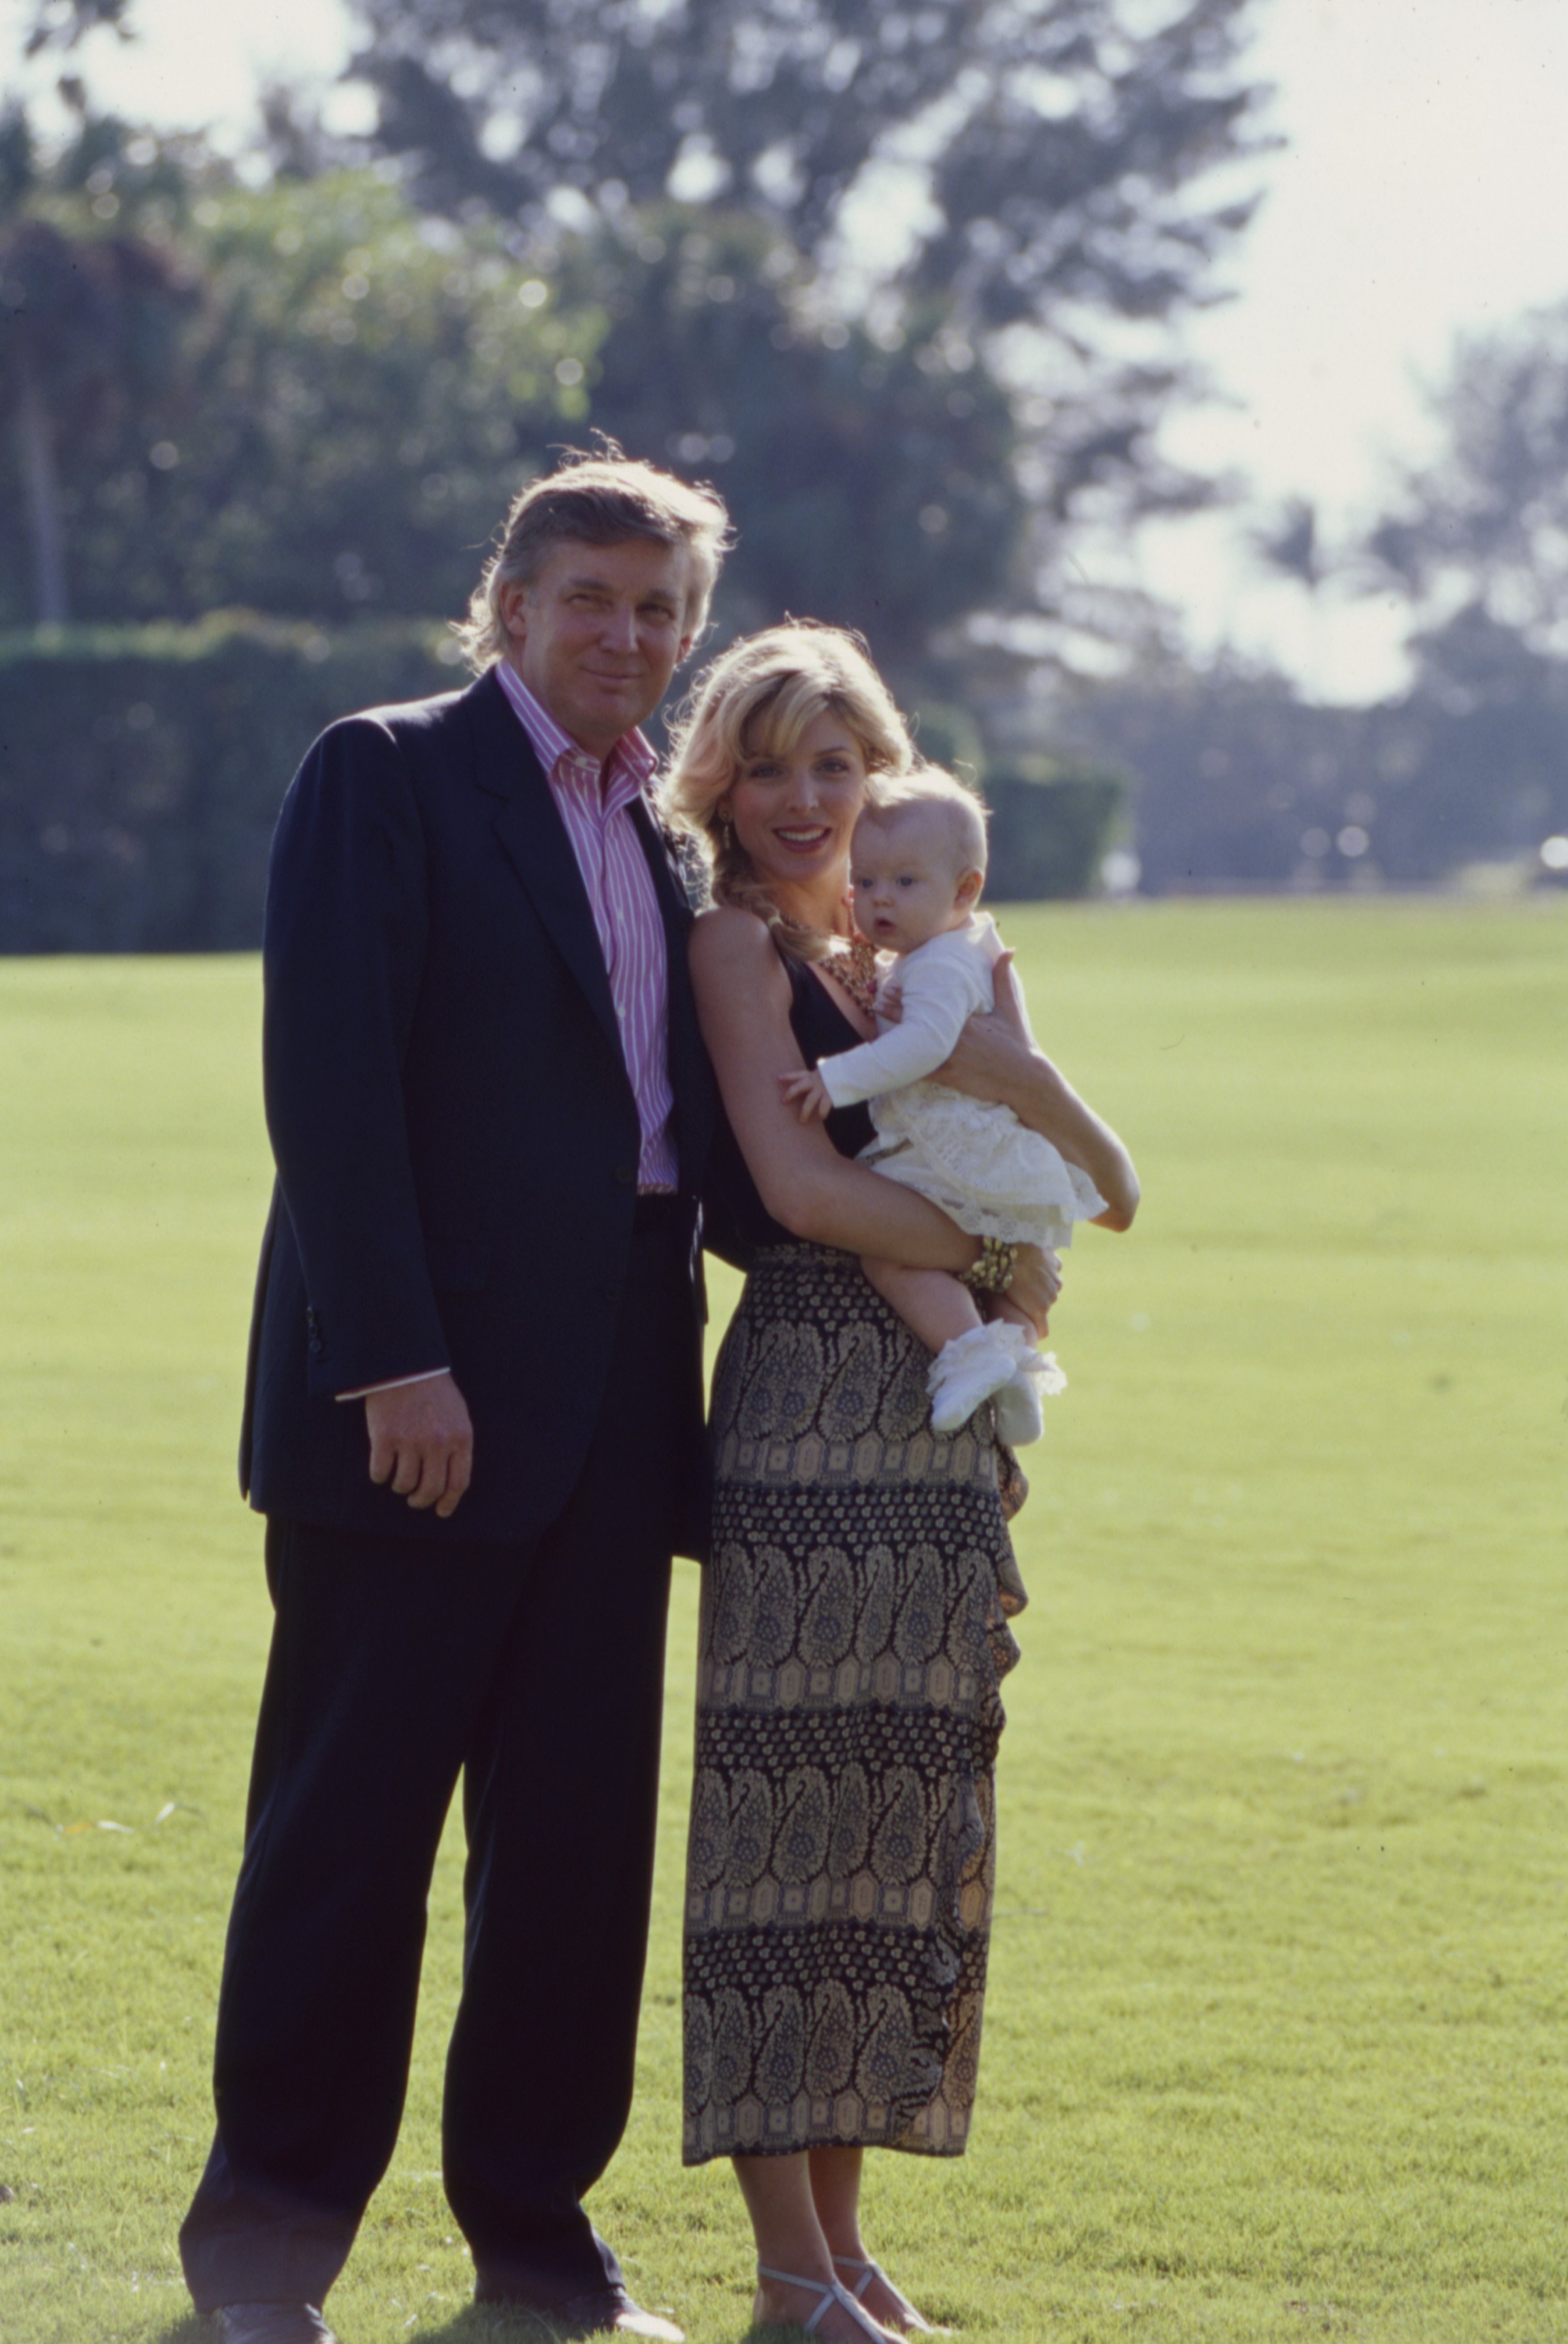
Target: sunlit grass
[{"x": 1274, "y": 2045}]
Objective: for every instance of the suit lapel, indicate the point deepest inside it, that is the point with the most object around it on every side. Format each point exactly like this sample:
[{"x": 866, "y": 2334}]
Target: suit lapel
[
  {"x": 528, "y": 823},
  {"x": 690, "y": 1078}
]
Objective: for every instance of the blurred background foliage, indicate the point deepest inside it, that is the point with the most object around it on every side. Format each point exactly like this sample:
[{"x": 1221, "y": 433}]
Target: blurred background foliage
[
  {"x": 144, "y": 767},
  {"x": 906, "y": 283}
]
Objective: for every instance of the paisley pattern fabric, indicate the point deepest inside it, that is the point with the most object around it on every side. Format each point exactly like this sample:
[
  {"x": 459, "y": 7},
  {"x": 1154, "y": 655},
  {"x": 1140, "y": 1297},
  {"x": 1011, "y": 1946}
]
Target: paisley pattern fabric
[{"x": 854, "y": 1639}]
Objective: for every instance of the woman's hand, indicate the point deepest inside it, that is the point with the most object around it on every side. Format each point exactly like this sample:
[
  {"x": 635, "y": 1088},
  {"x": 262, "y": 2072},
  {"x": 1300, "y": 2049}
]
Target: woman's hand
[
  {"x": 996, "y": 1059},
  {"x": 994, "y": 1052},
  {"x": 1035, "y": 1285}
]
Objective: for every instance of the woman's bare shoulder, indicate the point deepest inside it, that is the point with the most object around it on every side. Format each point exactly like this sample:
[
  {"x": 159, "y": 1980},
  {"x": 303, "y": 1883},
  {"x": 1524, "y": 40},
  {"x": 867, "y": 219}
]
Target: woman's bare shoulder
[{"x": 728, "y": 941}]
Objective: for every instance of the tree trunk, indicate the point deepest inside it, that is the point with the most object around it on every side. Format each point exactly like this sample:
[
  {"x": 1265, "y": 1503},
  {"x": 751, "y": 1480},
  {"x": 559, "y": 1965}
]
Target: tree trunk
[{"x": 45, "y": 522}]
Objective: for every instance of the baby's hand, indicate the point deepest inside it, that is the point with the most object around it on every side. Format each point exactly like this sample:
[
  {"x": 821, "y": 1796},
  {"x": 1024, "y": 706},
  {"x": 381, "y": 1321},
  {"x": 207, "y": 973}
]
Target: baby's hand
[{"x": 806, "y": 1090}]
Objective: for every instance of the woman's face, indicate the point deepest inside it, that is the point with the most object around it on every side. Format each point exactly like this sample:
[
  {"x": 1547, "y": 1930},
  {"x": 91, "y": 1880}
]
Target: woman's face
[{"x": 794, "y": 812}]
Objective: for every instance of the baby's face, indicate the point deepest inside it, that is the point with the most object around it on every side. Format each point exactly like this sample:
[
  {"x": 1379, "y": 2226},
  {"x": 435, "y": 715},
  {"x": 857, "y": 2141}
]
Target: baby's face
[{"x": 906, "y": 887}]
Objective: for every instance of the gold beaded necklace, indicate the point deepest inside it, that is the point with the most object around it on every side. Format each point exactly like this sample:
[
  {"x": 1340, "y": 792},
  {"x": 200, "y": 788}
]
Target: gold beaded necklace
[{"x": 852, "y": 963}]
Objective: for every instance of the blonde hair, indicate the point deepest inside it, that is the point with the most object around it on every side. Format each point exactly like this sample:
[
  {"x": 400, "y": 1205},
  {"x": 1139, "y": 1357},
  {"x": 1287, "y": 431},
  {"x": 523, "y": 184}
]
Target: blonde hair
[
  {"x": 601, "y": 500},
  {"x": 755, "y": 700},
  {"x": 932, "y": 789}
]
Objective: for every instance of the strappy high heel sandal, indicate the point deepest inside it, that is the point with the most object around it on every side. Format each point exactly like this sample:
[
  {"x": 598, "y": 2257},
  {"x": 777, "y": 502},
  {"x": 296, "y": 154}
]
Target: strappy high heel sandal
[
  {"x": 911, "y": 2319},
  {"x": 831, "y": 2293}
]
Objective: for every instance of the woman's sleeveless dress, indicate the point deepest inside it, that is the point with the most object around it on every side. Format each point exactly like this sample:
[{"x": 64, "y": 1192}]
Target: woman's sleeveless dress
[{"x": 853, "y": 1640}]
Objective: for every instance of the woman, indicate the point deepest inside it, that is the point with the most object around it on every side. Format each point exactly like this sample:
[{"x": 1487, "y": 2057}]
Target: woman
[{"x": 855, "y": 1611}]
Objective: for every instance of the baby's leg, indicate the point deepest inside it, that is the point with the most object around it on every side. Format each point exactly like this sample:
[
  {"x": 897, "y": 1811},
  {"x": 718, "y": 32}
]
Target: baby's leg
[
  {"x": 1002, "y": 1309},
  {"x": 974, "y": 1358},
  {"x": 931, "y": 1302}
]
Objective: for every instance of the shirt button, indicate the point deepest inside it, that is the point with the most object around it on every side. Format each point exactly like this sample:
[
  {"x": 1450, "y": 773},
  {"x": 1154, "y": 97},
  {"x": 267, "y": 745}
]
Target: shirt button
[
  {"x": 611, "y": 1292},
  {"x": 625, "y": 1174}
]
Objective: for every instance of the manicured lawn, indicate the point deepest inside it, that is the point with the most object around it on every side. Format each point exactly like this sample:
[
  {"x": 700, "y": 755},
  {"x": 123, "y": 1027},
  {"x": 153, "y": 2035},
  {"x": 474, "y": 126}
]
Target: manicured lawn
[{"x": 1275, "y": 2044}]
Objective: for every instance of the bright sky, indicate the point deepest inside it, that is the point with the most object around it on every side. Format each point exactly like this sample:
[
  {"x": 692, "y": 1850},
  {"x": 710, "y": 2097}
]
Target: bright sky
[{"x": 1420, "y": 195}]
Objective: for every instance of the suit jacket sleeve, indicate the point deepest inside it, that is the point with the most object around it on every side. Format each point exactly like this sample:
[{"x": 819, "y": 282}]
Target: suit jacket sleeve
[{"x": 343, "y": 951}]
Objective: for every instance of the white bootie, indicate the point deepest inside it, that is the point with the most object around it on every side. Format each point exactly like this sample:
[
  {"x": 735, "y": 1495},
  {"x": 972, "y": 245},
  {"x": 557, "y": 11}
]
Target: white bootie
[
  {"x": 1021, "y": 1418},
  {"x": 970, "y": 1368}
]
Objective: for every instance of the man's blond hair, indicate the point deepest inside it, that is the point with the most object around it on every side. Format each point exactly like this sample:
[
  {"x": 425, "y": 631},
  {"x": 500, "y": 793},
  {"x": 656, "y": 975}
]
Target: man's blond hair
[{"x": 596, "y": 499}]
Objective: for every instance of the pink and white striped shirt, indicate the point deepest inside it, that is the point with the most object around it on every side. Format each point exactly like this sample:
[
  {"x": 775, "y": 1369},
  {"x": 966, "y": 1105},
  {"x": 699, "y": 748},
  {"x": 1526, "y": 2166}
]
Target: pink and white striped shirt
[{"x": 596, "y": 807}]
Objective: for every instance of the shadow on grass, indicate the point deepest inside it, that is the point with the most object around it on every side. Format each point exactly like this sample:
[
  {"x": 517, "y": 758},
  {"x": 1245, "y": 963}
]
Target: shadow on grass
[
  {"x": 480, "y": 2323},
  {"x": 475, "y": 2324},
  {"x": 487, "y": 2324}
]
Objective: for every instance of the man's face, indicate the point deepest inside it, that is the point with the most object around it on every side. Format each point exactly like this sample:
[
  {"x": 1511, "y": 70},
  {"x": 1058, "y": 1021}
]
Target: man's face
[{"x": 599, "y": 634}]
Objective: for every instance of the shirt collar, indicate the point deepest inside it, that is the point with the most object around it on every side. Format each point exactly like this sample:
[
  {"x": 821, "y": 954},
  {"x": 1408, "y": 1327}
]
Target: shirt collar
[{"x": 627, "y": 769}]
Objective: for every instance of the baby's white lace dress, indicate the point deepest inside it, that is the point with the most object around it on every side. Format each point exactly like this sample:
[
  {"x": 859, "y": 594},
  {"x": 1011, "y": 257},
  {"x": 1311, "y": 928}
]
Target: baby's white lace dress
[{"x": 986, "y": 1170}]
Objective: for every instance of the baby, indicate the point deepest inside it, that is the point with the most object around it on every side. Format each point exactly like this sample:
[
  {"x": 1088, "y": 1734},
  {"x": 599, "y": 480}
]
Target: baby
[{"x": 918, "y": 865}]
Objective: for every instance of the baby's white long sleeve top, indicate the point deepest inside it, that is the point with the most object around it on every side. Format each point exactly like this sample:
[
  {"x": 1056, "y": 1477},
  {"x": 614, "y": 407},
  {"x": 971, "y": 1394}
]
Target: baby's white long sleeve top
[{"x": 943, "y": 983}]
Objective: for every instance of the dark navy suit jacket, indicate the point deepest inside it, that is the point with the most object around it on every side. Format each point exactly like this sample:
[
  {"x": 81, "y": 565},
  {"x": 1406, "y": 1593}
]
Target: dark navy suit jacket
[{"x": 455, "y": 1133}]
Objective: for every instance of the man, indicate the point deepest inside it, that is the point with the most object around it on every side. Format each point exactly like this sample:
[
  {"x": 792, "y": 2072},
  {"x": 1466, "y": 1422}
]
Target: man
[{"x": 473, "y": 1423}]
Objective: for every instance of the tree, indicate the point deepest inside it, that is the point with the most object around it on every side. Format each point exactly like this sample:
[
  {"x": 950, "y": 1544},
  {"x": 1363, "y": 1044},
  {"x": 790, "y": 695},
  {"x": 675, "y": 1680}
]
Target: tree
[
  {"x": 872, "y": 482},
  {"x": 1476, "y": 540},
  {"x": 367, "y": 390},
  {"x": 1057, "y": 165},
  {"x": 303, "y": 397},
  {"x": 63, "y": 23},
  {"x": 914, "y": 442},
  {"x": 1483, "y": 526},
  {"x": 1061, "y": 137},
  {"x": 89, "y": 322}
]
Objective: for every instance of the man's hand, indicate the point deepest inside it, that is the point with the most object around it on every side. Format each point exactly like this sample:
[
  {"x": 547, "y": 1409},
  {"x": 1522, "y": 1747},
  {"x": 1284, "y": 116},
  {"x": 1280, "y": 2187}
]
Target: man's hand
[
  {"x": 421, "y": 1441},
  {"x": 806, "y": 1090}
]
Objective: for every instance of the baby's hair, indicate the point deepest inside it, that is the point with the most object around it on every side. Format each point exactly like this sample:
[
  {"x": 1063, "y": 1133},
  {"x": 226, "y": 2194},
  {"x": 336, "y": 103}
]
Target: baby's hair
[{"x": 928, "y": 788}]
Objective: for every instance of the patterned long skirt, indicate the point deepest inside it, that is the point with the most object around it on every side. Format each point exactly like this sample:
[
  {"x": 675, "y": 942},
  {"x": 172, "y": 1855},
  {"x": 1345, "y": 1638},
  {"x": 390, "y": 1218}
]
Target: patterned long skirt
[{"x": 854, "y": 1639}]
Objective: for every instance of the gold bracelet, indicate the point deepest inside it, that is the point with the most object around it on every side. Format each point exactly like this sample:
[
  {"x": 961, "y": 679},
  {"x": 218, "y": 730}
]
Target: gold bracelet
[{"x": 993, "y": 1273}]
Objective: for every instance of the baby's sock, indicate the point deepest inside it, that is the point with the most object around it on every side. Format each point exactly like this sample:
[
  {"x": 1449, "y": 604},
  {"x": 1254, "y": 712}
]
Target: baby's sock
[
  {"x": 1019, "y": 1416},
  {"x": 970, "y": 1368}
]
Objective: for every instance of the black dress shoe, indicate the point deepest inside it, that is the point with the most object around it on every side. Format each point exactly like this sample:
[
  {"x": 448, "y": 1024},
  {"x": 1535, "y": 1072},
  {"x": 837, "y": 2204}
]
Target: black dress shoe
[{"x": 273, "y": 2323}]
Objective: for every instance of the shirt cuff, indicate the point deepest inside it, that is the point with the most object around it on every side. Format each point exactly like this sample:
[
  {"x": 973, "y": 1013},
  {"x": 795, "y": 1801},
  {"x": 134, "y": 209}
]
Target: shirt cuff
[
  {"x": 839, "y": 1081},
  {"x": 363, "y": 1391}
]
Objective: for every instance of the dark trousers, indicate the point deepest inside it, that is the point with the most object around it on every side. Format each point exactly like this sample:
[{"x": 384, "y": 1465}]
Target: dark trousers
[{"x": 536, "y": 1672}]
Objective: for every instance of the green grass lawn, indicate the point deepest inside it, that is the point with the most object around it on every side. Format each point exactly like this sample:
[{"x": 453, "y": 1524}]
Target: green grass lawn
[{"x": 1275, "y": 2045}]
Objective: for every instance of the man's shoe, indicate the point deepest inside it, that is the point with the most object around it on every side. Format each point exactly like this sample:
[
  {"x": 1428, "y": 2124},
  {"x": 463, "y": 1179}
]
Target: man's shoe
[
  {"x": 273, "y": 2323},
  {"x": 613, "y": 2313}
]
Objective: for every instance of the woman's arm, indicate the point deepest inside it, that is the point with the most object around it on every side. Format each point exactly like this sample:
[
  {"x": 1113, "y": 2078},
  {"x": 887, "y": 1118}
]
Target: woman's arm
[
  {"x": 816, "y": 1194},
  {"x": 743, "y": 1003},
  {"x": 996, "y": 1059}
]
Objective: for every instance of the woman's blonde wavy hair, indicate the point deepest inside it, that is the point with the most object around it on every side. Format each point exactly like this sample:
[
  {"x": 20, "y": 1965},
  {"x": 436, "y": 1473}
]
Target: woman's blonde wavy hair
[{"x": 755, "y": 700}]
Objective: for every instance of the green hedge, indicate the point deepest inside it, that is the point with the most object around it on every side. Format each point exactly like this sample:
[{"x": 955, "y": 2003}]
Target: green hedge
[
  {"x": 1051, "y": 823},
  {"x": 142, "y": 768},
  {"x": 141, "y": 771}
]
